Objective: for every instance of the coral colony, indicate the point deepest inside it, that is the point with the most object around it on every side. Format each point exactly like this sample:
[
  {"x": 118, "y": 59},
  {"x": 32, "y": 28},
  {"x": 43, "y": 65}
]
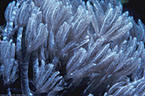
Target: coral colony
[{"x": 71, "y": 48}]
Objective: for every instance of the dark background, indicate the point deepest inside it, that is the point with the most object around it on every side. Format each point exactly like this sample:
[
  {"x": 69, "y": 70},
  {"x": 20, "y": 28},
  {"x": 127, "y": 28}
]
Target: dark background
[{"x": 136, "y": 8}]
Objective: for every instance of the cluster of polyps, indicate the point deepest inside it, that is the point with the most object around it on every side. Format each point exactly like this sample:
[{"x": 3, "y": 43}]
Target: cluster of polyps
[{"x": 66, "y": 43}]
